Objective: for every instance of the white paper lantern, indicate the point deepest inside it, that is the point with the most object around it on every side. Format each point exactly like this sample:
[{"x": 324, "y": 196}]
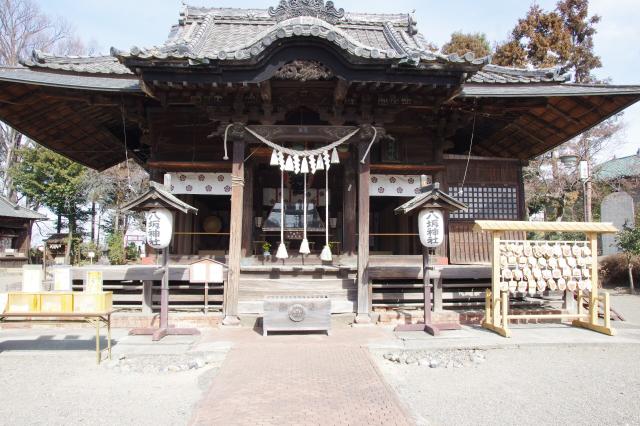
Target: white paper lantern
[
  {"x": 159, "y": 228},
  {"x": 431, "y": 227}
]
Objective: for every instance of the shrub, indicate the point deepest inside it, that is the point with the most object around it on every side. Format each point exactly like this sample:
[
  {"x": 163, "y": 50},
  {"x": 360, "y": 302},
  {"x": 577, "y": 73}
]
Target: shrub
[
  {"x": 614, "y": 271},
  {"x": 132, "y": 252},
  {"x": 115, "y": 245}
]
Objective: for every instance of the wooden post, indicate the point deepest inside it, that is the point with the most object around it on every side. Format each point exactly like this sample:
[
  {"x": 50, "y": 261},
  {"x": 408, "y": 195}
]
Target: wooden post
[
  {"x": 504, "y": 305},
  {"x": 437, "y": 295},
  {"x": 235, "y": 237},
  {"x": 247, "y": 220},
  {"x": 427, "y": 285},
  {"x": 364, "y": 301},
  {"x": 349, "y": 198},
  {"x": 496, "y": 318},
  {"x": 593, "y": 305},
  {"x": 147, "y": 297},
  {"x": 592, "y": 322},
  {"x": 488, "y": 309},
  {"x": 495, "y": 279},
  {"x": 164, "y": 290},
  {"x": 206, "y": 298}
]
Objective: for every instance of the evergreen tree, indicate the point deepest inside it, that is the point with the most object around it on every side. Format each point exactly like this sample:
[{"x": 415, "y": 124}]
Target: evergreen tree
[
  {"x": 53, "y": 181},
  {"x": 562, "y": 37},
  {"x": 461, "y": 43}
]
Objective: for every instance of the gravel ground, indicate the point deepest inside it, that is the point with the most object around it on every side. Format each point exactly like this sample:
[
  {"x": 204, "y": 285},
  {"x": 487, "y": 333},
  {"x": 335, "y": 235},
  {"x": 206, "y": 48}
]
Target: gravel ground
[
  {"x": 525, "y": 386},
  {"x": 64, "y": 386}
]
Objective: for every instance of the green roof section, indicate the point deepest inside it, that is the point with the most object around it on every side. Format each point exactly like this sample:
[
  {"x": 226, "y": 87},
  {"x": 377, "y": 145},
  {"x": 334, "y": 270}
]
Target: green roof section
[
  {"x": 9, "y": 209},
  {"x": 619, "y": 168}
]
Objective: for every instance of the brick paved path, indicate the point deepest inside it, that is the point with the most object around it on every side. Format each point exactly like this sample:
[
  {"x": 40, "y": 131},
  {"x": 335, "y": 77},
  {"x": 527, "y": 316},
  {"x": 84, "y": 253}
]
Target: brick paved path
[{"x": 299, "y": 384}]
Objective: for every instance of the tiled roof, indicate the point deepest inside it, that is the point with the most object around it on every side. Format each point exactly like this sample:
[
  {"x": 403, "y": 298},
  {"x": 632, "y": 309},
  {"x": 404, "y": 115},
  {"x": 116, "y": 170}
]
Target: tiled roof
[
  {"x": 544, "y": 90},
  {"x": 619, "y": 168},
  {"x": 228, "y": 34},
  {"x": 9, "y": 209},
  {"x": 232, "y": 34},
  {"x": 100, "y": 82},
  {"x": 502, "y": 75},
  {"x": 80, "y": 64}
]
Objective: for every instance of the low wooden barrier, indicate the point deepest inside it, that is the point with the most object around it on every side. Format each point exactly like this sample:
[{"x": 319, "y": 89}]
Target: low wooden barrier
[{"x": 533, "y": 266}]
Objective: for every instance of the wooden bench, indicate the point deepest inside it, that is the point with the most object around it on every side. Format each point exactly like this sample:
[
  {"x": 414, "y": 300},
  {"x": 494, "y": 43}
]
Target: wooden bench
[{"x": 94, "y": 318}]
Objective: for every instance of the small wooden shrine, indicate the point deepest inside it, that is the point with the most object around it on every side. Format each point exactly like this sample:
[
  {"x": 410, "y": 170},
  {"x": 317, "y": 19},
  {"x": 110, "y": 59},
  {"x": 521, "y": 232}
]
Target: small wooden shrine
[
  {"x": 15, "y": 233},
  {"x": 232, "y": 88}
]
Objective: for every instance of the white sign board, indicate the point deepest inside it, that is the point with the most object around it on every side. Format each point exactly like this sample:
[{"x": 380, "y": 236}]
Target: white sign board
[
  {"x": 32, "y": 276},
  {"x": 93, "y": 283},
  {"x": 431, "y": 227},
  {"x": 159, "y": 228},
  {"x": 62, "y": 279},
  {"x": 206, "y": 272}
]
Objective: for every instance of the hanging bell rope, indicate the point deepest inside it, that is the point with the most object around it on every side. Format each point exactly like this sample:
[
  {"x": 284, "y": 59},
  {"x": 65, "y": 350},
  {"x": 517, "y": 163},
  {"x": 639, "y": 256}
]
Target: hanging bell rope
[
  {"x": 325, "y": 255},
  {"x": 375, "y": 135},
  {"x": 304, "y": 245},
  {"x": 282, "y": 248},
  {"x": 226, "y": 134}
]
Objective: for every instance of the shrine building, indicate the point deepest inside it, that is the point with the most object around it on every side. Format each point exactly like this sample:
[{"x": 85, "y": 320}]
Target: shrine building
[{"x": 308, "y": 123}]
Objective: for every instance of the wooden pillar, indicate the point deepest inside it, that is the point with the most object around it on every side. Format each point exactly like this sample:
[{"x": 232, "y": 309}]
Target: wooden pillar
[
  {"x": 247, "y": 220},
  {"x": 349, "y": 200},
  {"x": 235, "y": 237},
  {"x": 437, "y": 294},
  {"x": 364, "y": 294},
  {"x": 147, "y": 297}
]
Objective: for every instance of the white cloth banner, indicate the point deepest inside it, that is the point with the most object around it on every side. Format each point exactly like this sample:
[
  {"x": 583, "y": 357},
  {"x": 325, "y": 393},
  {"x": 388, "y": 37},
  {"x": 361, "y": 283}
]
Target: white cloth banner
[
  {"x": 201, "y": 183},
  {"x": 395, "y": 185}
]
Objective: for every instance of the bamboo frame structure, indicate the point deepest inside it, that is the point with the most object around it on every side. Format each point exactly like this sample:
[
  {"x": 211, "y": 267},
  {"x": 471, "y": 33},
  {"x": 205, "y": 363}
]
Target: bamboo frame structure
[{"x": 497, "y": 315}]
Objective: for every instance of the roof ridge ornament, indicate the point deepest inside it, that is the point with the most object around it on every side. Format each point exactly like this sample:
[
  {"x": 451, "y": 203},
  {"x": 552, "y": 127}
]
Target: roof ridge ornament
[{"x": 317, "y": 8}]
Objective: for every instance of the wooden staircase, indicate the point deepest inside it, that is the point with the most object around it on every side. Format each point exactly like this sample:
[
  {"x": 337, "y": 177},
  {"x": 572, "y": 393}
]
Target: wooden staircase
[{"x": 257, "y": 282}]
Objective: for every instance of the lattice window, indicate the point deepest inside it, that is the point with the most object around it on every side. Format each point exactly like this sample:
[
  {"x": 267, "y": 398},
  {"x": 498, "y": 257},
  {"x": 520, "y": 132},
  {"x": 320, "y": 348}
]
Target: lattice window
[{"x": 487, "y": 202}]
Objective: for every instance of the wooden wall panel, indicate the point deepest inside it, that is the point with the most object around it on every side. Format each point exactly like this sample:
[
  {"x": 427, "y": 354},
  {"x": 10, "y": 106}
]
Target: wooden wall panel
[{"x": 467, "y": 247}]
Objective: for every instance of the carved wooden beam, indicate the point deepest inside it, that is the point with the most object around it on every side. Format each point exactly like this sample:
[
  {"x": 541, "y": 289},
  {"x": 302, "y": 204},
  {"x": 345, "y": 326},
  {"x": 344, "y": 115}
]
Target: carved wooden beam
[
  {"x": 403, "y": 168},
  {"x": 190, "y": 166}
]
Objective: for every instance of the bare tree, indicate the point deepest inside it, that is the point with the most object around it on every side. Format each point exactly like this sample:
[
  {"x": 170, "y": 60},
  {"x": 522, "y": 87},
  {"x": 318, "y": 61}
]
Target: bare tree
[{"x": 23, "y": 28}]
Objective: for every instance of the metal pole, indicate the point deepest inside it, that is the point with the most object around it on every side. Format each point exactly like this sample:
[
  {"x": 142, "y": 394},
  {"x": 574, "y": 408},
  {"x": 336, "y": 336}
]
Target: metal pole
[{"x": 164, "y": 290}]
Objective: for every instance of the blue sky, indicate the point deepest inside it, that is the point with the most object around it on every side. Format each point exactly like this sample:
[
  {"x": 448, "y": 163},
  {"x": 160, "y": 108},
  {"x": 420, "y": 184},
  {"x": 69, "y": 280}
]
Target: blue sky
[{"x": 124, "y": 24}]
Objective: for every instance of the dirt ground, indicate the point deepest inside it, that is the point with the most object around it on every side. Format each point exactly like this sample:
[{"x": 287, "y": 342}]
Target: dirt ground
[
  {"x": 586, "y": 384},
  {"x": 56, "y": 381},
  {"x": 49, "y": 376}
]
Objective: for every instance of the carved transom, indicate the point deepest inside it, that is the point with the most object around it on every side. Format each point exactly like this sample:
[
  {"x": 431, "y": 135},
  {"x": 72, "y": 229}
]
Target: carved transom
[
  {"x": 317, "y": 8},
  {"x": 303, "y": 71}
]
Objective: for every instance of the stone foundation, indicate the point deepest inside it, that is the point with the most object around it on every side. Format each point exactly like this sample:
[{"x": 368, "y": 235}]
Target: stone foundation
[{"x": 469, "y": 317}]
